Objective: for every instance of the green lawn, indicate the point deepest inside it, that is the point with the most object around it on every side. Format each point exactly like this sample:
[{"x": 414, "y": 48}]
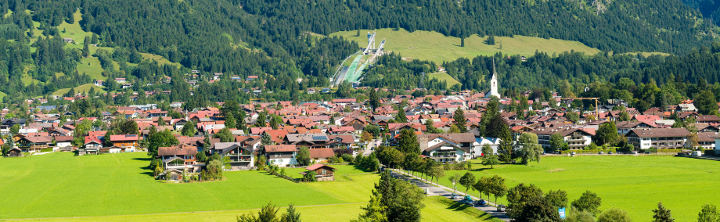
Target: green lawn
[
  {"x": 117, "y": 187},
  {"x": 633, "y": 183},
  {"x": 433, "y": 46}
]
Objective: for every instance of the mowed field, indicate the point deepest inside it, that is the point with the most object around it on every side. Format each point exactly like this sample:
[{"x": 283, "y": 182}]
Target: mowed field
[
  {"x": 436, "y": 47},
  {"x": 632, "y": 183},
  {"x": 117, "y": 187}
]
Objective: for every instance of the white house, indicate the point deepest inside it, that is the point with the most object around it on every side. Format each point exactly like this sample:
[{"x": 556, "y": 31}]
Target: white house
[
  {"x": 281, "y": 155},
  {"x": 494, "y": 143},
  {"x": 669, "y": 138},
  {"x": 451, "y": 147}
]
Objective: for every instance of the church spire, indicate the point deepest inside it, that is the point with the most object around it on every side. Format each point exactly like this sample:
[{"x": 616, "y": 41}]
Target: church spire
[{"x": 494, "y": 83}]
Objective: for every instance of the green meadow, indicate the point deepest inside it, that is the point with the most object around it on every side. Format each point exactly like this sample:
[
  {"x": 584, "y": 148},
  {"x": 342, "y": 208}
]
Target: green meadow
[
  {"x": 117, "y": 187},
  {"x": 632, "y": 183},
  {"x": 436, "y": 47}
]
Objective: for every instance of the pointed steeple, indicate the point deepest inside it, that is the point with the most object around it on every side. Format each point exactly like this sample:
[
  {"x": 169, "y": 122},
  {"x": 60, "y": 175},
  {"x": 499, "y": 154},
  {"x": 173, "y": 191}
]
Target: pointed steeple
[{"x": 494, "y": 83}]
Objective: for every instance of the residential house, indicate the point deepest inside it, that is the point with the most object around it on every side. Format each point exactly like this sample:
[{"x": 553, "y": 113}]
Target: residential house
[
  {"x": 127, "y": 143},
  {"x": 661, "y": 138},
  {"x": 281, "y": 155},
  {"x": 307, "y": 140},
  {"x": 576, "y": 138},
  {"x": 241, "y": 157},
  {"x": 63, "y": 143},
  {"x": 35, "y": 143},
  {"x": 179, "y": 157},
  {"x": 93, "y": 145},
  {"x": 321, "y": 155},
  {"x": 706, "y": 140},
  {"x": 451, "y": 147},
  {"x": 494, "y": 143}
]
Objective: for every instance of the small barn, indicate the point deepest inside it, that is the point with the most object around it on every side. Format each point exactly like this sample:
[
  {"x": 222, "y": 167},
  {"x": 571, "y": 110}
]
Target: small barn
[
  {"x": 14, "y": 152},
  {"x": 322, "y": 172}
]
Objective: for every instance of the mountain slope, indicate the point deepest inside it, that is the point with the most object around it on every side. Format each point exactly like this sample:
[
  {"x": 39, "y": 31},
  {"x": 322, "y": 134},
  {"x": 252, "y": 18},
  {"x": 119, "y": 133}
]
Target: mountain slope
[{"x": 620, "y": 25}]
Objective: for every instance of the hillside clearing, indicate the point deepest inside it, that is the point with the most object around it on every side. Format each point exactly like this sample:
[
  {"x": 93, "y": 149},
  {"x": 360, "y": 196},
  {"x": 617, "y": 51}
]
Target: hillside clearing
[
  {"x": 85, "y": 88},
  {"x": 436, "y": 47},
  {"x": 443, "y": 76}
]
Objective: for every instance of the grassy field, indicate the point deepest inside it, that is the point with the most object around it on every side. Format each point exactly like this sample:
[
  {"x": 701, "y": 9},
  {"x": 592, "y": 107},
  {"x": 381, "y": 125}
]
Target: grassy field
[
  {"x": 442, "y": 76},
  {"x": 633, "y": 183},
  {"x": 62, "y": 187},
  {"x": 80, "y": 89},
  {"x": 159, "y": 59},
  {"x": 74, "y": 31},
  {"x": 437, "y": 47}
]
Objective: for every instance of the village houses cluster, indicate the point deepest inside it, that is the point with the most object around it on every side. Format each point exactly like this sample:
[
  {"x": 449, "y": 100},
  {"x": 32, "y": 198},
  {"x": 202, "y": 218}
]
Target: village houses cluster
[{"x": 332, "y": 128}]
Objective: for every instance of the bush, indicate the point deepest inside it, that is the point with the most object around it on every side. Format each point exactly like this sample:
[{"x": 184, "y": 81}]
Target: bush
[
  {"x": 213, "y": 171},
  {"x": 348, "y": 158},
  {"x": 309, "y": 176},
  {"x": 367, "y": 164},
  {"x": 335, "y": 159}
]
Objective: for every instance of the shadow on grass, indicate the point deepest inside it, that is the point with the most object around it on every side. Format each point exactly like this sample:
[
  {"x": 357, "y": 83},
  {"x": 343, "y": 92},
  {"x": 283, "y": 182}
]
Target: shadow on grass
[
  {"x": 482, "y": 169},
  {"x": 457, "y": 206},
  {"x": 142, "y": 158}
]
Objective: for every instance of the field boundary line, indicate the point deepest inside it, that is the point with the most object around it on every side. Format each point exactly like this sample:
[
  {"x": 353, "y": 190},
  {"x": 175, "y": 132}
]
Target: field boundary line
[{"x": 170, "y": 213}]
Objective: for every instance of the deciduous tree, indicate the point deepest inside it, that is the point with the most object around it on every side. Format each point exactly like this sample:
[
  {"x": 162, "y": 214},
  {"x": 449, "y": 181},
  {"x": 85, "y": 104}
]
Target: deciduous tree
[{"x": 589, "y": 202}]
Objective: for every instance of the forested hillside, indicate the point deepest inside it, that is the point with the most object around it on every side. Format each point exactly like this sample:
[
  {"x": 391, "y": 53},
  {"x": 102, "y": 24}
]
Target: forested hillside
[
  {"x": 619, "y": 25},
  {"x": 710, "y": 9},
  {"x": 284, "y": 43},
  {"x": 211, "y": 36},
  {"x": 645, "y": 81}
]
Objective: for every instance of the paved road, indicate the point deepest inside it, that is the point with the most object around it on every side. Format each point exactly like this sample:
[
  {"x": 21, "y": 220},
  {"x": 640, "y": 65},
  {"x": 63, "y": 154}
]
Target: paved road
[{"x": 434, "y": 189}]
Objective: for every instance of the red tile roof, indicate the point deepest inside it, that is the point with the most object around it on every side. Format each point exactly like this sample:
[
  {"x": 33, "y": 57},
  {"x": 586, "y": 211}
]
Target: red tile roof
[{"x": 321, "y": 153}]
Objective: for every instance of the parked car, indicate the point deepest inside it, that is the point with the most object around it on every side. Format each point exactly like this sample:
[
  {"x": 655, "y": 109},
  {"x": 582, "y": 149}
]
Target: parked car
[
  {"x": 501, "y": 208},
  {"x": 479, "y": 203},
  {"x": 467, "y": 200}
]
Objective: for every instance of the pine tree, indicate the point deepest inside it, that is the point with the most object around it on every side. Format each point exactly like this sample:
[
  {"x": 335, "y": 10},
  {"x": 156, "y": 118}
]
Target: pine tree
[
  {"x": 662, "y": 214},
  {"x": 86, "y": 47},
  {"x": 460, "y": 121}
]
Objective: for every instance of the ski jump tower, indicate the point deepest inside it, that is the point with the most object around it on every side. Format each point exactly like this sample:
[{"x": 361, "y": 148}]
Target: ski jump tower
[{"x": 371, "y": 42}]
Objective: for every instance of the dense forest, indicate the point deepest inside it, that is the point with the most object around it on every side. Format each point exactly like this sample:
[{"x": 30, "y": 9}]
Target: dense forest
[
  {"x": 619, "y": 25},
  {"x": 642, "y": 81},
  {"x": 710, "y": 9}
]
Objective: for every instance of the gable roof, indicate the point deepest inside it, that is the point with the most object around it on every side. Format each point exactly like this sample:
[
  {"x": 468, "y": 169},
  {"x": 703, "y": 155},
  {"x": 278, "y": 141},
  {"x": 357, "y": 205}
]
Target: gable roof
[
  {"x": 661, "y": 132},
  {"x": 181, "y": 150},
  {"x": 321, "y": 153},
  {"x": 318, "y": 166}
]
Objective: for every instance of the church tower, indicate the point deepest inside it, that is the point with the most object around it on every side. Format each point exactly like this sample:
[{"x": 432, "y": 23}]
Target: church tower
[{"x": 494, "y": 83}]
